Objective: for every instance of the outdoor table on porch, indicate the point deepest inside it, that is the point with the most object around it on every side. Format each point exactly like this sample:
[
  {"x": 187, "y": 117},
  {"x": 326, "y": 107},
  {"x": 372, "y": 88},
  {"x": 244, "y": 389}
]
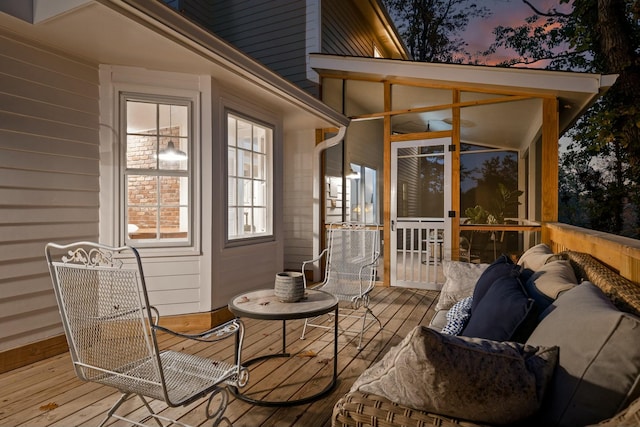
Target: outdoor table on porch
[{"x": 264, "y": 305}]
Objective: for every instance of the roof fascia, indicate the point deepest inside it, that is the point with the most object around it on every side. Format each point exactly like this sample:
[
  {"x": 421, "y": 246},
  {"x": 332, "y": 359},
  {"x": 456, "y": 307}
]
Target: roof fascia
[
  {"x": 534, "y": 81},
  {"x": 385, "y": 20},
  {"x": 166, "y": 21}
]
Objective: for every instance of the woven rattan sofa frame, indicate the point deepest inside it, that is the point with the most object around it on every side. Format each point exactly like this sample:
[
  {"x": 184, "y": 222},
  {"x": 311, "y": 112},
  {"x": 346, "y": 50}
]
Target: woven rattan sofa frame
[{"x": 358, "y": 409}]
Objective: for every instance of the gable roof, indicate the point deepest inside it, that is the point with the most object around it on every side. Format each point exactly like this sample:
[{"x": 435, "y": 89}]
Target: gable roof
[
  {"x": 574, "y": 91},
  {"x": 150, "y": 34}
]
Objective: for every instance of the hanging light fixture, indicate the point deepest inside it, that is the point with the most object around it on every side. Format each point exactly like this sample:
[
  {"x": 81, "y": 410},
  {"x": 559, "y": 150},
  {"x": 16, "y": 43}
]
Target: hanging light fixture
[{"x": 171, "y": 153}]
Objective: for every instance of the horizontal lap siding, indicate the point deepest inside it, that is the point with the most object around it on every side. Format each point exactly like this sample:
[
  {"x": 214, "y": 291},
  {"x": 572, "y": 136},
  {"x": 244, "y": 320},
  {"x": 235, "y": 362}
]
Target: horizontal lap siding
[
  {"x": 272, "y": 32},
  {"x": 49, "y": 178},
  {"x": 344, "y": 30},
  {"x": 298, "y": 198}
]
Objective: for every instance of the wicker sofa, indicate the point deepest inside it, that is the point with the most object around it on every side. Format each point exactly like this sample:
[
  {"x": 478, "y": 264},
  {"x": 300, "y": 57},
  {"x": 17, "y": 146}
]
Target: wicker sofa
[{"x": 362, "y": 409}]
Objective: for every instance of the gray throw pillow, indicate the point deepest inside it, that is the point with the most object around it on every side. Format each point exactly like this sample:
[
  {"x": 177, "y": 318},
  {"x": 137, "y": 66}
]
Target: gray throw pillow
[
  {"x": 535, "y": 257},
  {"x": 469, "y": 378},
  {"x": 460, "y": 281},
  {"x": 552, "y": 279},
  {"x": 598, "y": 370}
]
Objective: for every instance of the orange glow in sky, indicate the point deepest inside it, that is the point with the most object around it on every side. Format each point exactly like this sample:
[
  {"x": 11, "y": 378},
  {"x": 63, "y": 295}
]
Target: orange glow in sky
[{"x": 479, "y": 34}]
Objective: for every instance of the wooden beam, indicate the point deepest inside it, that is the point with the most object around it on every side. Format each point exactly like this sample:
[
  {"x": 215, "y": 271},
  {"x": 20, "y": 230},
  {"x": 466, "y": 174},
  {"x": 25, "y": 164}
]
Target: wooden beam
[
  {"x": 549, "y": 161},
  {"x": 21, "y": 356},
  {"x": 456, "y": 104},
  {"x": 455, "y": 177},
  {"x": 420, "y": 135},
  {"x": 387, "y": 186}
]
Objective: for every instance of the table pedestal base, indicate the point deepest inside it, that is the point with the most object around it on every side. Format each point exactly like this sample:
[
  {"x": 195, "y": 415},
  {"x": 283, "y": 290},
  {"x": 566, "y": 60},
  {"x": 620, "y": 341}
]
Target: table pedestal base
[{"x": 271, "y": 403}]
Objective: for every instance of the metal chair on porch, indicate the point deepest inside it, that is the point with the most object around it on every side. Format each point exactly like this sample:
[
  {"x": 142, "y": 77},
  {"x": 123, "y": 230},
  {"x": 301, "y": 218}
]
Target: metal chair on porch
[
  {"x": 351, "y": 259},
  {"x": 112, "y": 333}
]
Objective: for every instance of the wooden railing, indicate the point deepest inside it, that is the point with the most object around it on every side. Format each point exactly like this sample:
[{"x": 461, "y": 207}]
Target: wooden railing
[{"x": 619, "y": 253}]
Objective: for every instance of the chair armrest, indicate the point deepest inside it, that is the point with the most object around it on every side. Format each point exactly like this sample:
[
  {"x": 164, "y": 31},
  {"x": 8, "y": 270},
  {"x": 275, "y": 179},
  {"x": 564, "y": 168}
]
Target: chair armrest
[
  {"x": 217, "y": 333},
  {"x": 311, "y": 261}
]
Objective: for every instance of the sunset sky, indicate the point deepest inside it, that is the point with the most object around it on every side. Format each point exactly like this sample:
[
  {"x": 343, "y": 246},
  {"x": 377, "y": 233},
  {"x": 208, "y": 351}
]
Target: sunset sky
[{"x": 479, "y": 33}]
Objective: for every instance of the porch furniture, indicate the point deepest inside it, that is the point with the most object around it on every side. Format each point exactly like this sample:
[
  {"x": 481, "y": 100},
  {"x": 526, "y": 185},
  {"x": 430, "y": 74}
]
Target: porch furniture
[
  {"x": 264, "y": 305},
  {"x": 112, "y": 332},
  {"x": 591, "y": 324},
  {"x": 350, "y": 270}
]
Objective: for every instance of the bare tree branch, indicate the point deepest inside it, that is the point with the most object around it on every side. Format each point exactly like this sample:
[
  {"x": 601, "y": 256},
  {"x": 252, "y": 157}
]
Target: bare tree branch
[{"x": 539, "y": 12}]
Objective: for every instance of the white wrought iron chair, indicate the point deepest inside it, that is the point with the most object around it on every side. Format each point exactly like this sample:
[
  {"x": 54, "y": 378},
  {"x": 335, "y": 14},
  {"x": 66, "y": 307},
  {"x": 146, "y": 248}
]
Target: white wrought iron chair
[
  {"x": 351, "y": 259},
  {"x": 112, "y": 332}
]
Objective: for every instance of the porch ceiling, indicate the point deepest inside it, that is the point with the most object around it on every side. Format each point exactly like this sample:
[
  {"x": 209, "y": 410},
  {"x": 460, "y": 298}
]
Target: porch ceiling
[
  {"x": 149, "y": 34},
  {"x": 513, "y": 125}
]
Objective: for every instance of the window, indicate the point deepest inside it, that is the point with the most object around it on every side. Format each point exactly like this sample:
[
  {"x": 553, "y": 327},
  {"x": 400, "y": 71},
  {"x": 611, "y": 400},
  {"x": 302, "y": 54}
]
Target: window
[
  {"x": 157, "y": 184},
  {"x": 489, "y": 183},
  {"x": 249, "y": 172},
  {"x": 363, "y": 203}
]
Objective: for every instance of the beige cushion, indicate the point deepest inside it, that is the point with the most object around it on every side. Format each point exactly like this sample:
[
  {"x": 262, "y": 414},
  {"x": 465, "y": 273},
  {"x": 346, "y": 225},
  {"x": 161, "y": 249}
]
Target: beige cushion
[
  {"x": 599, "y": 366},
  {"x": 469, "y": 378},
  {"x": 460, "y": 281},
  {"x": 554, "y": 278},
  {"x": 535, "y": 257},
  {"x": 439, "y": 320}
]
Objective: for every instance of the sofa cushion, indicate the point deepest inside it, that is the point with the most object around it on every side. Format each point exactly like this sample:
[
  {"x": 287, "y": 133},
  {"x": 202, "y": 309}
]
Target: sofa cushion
[
  {"x": 598, "y": 370},
  {"x": 460, "y": 281},
  {"x": 503, "y": 309},
  {"x": 535, "y": 257},
  {"x": 553, "y": 278},
  {"x": 501, "y": 267},
  {"x": 473, "y": 379},
  {"x": 439, "y": 320},
  {"x": 458, "y": 316}
]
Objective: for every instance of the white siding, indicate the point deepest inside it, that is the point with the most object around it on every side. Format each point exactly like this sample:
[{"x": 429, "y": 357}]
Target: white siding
[
  {"x": 178, "y": 279},
  {"x": 49, "y": 182},
  {"x": 243, "y": 266},
  {"x": 298, "y": 198}
]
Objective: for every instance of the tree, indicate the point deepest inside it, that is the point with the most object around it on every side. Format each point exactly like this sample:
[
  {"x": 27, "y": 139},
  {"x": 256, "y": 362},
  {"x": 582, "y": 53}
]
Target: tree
[
  {"x": 432, "y": 28},
  {"x": 597, "y": 36}
]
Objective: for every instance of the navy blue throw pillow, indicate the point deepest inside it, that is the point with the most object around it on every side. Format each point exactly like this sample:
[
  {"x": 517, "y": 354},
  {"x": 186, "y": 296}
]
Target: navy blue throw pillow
[
  {"x": 503, "y": 309},
  {"x": 503, "y": 266}
]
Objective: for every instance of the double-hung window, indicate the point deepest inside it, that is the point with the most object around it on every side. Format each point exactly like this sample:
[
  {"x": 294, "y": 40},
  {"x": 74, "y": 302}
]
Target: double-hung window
[
  {"x": 250, "y": 178},
  {"x": 157, "y": 182}
]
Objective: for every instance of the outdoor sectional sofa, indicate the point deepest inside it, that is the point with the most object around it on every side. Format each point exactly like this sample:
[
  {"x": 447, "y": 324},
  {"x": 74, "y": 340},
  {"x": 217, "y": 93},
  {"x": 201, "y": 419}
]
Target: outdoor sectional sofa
[{"x": 577, "y": 363}]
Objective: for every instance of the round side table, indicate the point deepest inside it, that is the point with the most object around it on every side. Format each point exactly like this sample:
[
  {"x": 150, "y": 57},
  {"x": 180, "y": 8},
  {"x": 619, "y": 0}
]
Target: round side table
[{"x": 264, "y": 305}]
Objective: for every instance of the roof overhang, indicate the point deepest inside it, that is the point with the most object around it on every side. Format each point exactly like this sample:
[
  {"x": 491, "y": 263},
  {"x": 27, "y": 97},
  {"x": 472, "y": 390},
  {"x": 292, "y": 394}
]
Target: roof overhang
[
  {"x": 575, "y": 92},
  {"x": 149, "y": 34}
]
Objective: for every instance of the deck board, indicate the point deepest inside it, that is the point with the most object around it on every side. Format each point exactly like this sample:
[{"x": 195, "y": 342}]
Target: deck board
[{"x": 48, "y": 394}]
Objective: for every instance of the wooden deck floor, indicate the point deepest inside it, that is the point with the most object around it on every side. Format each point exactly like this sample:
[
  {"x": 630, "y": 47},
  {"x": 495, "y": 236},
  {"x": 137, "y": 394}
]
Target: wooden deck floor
[{"x": 47, "y": 393}]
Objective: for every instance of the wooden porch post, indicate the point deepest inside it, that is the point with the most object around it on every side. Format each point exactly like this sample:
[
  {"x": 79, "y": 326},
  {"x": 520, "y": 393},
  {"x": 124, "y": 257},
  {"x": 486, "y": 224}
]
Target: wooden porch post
[
  {"x": 387, "y": 185},
  {"x": 455, "y": 177},
  {"x": 549, "y": 170}
]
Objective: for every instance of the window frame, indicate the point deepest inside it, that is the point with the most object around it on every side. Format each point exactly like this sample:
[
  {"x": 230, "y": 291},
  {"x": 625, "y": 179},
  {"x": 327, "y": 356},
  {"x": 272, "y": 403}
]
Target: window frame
[
  {"x": 124, "y": 171},
  {"x": 270, "y": 177}
]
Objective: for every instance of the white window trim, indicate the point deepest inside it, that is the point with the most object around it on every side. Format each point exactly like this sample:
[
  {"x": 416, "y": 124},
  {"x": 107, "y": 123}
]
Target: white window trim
[
  {"x": 113, "y": 81},
  {"x": 270, "y": 236},
  {"x": 231, "y": 103}
]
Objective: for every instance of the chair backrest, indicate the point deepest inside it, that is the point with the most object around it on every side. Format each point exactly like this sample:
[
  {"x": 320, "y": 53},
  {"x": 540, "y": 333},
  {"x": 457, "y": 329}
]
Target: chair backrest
[
  {"x": 103, "y": 302},
  {"x": 353, "y": 252}
]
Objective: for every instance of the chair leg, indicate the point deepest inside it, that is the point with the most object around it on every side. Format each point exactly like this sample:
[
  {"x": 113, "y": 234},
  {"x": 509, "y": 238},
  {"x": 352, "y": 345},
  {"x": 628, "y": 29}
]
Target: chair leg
[
  {"x": 115, "y": 407},
  {"x": 217, "y": 416},
  {"x": 364, "y": 325}
]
